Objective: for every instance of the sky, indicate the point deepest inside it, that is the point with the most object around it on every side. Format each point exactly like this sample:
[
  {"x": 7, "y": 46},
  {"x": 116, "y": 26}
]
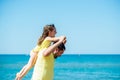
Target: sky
[{"x": 91, "y": 26}]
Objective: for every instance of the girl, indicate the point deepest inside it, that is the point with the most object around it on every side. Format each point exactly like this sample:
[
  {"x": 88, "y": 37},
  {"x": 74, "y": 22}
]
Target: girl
[{"x": 44, "y": 41}]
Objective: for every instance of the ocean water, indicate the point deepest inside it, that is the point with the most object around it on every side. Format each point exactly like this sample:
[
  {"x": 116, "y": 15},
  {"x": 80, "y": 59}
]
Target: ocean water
[{"x": 67, "y": 67}]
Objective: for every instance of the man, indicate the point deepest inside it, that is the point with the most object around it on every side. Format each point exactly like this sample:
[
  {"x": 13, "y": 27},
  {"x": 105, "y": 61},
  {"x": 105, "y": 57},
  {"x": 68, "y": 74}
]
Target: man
[{"x": 44, "y": 65}]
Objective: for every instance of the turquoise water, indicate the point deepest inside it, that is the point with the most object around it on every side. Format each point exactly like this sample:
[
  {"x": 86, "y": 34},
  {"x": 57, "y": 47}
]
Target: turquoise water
[{"x": 67, "y": 67}]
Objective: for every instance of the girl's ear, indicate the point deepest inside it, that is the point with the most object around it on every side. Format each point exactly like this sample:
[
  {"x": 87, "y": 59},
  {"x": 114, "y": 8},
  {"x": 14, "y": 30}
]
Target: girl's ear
[{"x": 49, "y": 33}]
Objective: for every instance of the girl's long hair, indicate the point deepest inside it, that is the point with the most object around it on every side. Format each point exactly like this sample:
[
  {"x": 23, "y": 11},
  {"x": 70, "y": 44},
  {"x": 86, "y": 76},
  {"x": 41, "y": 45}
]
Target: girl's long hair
[{"x": 45, "y": 33}]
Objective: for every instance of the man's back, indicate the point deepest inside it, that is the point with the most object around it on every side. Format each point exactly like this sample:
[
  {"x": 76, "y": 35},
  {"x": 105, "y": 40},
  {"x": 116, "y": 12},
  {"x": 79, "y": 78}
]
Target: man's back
[{"x": 44, "y": 66}]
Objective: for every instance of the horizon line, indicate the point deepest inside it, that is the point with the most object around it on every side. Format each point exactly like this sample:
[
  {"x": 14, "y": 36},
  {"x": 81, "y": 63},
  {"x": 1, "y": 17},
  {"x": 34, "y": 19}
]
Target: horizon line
[{"x": 65, "y": 54}]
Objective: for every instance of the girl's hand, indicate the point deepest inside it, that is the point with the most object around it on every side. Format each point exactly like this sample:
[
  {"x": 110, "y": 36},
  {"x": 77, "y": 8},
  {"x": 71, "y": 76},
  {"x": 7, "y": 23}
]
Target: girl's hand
[
  {"x": 64, "y": 41},
  {"x": 18, "y": 77},
  {"x": 62, "y": 38}
]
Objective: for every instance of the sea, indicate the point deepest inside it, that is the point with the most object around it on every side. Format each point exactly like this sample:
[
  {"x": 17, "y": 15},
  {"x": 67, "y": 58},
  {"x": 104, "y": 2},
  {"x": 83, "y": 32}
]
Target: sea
[{"x": 67, "y": 67}]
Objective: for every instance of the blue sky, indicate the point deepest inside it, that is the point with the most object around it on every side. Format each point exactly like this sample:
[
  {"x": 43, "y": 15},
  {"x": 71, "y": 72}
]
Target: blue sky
[{"x": 91, "y": 26}]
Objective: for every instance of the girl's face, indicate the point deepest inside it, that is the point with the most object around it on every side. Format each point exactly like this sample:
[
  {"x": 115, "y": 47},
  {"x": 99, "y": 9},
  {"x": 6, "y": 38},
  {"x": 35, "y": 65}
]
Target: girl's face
[{"x": 52, "y": 33}]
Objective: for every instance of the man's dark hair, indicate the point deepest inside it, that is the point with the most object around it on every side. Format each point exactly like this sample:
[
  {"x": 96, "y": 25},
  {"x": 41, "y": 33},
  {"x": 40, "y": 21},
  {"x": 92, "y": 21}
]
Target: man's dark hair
[{"x": 61, "y": 46}]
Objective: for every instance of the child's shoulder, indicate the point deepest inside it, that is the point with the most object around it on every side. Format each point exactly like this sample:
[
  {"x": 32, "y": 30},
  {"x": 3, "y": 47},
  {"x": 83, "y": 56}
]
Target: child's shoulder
[{"x": 49, "y": 38}]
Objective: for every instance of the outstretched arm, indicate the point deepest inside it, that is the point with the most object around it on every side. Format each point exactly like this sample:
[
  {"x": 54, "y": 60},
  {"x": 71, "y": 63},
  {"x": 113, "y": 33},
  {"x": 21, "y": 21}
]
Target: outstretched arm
[{"x": 28, "y": 66}]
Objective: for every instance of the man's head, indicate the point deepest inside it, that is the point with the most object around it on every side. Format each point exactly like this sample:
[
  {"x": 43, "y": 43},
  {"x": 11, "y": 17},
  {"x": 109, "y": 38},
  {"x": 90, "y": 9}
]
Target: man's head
[{"x": 59, "y": 50}]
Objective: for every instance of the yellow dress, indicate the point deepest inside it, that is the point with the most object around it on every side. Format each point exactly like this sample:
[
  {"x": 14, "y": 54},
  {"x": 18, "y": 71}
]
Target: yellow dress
[
  {"x": 43, "y": 69},
  {"x": 45, "y": 44}
]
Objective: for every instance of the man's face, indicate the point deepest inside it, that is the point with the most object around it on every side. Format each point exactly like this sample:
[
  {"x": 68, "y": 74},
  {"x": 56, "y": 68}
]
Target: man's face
[{"x": 58, "y": 52}]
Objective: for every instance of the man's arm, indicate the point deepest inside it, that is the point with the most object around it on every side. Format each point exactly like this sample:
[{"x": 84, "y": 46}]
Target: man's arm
[{"x": 50, "y": 49}]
